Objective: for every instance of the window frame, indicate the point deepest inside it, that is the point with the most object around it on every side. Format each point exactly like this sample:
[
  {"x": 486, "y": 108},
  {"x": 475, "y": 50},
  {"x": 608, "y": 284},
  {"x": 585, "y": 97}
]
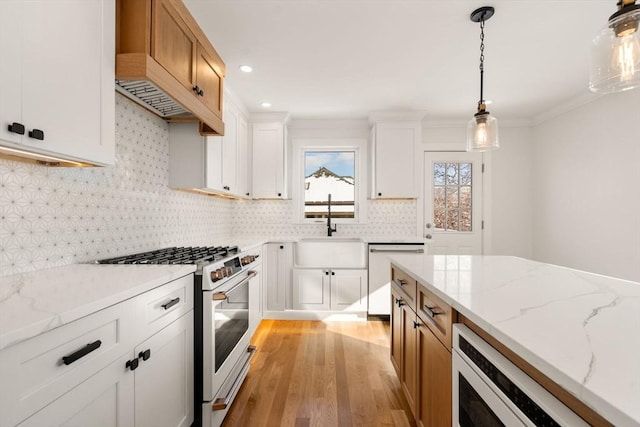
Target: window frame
[{"x": 300, "y": 147}]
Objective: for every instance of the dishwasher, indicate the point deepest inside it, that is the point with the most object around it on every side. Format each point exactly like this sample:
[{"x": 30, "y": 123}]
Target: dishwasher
[{"x": 380, "y": 272}]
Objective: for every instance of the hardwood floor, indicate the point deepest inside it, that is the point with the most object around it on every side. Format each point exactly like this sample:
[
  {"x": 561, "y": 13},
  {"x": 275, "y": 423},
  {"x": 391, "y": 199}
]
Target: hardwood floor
[{"x": 312, "y": 373}]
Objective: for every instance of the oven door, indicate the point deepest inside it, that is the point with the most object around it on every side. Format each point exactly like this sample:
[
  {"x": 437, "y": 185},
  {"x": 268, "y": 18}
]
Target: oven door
[
  {"x": 225, "y": 330},
  {"x": 474, "y": 403}
]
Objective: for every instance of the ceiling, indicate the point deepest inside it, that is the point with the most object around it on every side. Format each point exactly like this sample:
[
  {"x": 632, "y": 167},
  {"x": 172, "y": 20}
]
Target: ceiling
[{"x": 347, "y": 58}]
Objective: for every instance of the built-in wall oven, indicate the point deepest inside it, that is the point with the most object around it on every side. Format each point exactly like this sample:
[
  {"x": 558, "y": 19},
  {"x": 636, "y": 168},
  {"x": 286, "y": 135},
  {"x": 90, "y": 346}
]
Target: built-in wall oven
[{"x": 489, "y": 390}]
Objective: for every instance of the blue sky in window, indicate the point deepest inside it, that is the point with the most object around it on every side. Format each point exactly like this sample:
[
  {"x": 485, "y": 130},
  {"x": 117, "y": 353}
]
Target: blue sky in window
[{"x": 339, "y": 162}]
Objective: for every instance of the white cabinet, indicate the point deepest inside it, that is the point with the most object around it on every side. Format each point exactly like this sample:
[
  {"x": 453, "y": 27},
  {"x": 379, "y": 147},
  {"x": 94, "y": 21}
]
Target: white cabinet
[
  {"x": 330, "y": 289},
  {"x": 269, "y": 164},
  {"x": 255, "y": 297},
  {"x": 393, "y": 147},
  {"x": 130, "y": 364},
  {"x": 56, "y": 79},
  {"x": 164, "y": 382},
  {"x": 216, "y": 164},
  {"x": 277, "y": 265}
]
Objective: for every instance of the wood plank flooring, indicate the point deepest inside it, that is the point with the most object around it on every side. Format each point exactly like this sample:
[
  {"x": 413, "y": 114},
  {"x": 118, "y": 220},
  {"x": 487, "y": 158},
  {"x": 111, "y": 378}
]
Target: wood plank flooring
[{"x": 320, "y": 374}]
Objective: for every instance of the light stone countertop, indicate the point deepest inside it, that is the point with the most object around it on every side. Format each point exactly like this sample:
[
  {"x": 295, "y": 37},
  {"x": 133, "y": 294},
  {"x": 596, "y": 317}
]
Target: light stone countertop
[
  {"x": 35, "y": 302},
  {"x": 580, "y": 329}
]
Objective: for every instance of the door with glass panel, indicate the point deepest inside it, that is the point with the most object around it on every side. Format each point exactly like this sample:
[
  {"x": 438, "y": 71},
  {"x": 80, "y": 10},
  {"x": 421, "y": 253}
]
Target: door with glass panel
[{"x": 453, "y": 202}]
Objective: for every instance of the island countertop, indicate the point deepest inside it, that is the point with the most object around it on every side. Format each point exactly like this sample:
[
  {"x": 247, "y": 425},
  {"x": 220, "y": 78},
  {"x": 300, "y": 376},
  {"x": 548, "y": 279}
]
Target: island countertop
[{"x": 579, "y": 329}]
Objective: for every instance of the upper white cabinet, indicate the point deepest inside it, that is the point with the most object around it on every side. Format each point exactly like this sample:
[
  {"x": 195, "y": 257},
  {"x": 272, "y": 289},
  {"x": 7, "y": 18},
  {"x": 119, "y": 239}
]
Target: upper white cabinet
[
  {"x": 215, "y": 164},
  {"x": 56, "y": 80},
  {"x": 269, "y": 153},
  {"x": 393, "y": 147}
]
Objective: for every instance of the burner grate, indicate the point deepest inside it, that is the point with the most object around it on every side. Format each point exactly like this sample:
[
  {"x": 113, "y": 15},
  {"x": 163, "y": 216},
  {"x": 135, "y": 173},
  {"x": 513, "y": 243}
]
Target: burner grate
[{"x": 176, "y": 255}]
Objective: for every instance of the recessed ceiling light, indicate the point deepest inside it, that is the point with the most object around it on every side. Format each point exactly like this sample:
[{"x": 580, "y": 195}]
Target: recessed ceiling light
[
  {"x": 265, "y": 104},
  {"x": 246, "y": 68}
]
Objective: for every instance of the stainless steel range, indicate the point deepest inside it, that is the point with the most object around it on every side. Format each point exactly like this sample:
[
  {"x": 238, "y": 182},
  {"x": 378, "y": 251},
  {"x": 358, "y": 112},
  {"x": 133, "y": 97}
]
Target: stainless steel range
[{"x": 226, "y": 312}]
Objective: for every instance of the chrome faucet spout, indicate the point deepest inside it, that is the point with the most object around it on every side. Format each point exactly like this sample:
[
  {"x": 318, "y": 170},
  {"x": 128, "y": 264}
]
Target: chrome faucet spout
[{"x": 330, "y": 230}]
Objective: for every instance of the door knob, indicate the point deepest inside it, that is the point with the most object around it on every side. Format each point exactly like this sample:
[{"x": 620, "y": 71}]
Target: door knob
[
  {"x": 428, "y": 236},
  {"x": 429, "y": 225}
]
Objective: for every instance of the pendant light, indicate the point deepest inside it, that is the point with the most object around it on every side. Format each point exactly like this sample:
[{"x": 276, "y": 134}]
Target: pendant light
[
  {"x": 482, "y": 130},
  {"x": 615, "y": 51}
]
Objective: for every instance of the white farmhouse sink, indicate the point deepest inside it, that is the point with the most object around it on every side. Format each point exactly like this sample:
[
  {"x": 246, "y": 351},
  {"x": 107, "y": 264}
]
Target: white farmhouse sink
[{"x": 330, "y": 252}]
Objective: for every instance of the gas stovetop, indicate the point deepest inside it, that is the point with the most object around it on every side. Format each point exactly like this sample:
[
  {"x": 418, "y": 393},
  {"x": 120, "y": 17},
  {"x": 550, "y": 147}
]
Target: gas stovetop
[{"x": 177, "y": 255}]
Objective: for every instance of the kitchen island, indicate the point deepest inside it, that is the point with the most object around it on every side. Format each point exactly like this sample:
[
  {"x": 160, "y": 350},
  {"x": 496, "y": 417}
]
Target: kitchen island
[{"x": 578, "y": 329}]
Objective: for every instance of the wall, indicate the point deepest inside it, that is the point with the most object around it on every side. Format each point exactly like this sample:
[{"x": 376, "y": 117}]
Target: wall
[
  {"x": 57, "y": 216},
  {"x": 508, "y": 173},
  {"x": 586, "y": 193}
]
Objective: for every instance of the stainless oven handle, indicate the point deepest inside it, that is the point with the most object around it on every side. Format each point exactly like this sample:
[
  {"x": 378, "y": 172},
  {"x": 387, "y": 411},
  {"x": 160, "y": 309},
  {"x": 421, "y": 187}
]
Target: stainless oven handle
[
  {"x": 220, "y": 296},
  {"x": 413, "y": 251},
  {"x": 222, "y": 402}
]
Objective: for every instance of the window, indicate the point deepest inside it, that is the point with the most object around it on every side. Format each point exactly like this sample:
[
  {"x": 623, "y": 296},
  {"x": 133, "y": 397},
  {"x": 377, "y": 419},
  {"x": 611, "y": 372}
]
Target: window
[
  {"x": 452, "y": 196},
  {"x": 329, "y": 173},
  {"x": 321, "y": 166}
]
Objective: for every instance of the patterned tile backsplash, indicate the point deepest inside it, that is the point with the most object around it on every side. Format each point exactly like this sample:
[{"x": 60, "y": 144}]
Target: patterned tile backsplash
[{"x": 58, "y": 216}]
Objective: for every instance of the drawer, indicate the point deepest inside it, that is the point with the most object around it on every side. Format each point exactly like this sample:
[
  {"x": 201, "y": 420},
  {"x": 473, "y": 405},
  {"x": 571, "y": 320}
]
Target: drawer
[
  {"x": 406, "y": 284},
  {"x": 436, "y": 314},
  {"x": 164, "y": 304},
  {"x": 43, "y": 368}
]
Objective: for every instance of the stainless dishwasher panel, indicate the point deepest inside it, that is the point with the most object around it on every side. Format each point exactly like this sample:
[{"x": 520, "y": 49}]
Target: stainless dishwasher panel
[{"x": 380, "y": 272}]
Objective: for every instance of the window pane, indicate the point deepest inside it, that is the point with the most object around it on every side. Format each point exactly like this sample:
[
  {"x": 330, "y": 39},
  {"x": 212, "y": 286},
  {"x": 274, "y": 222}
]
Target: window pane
[
  {"x": 438, "y": 174},
  {"x": 452, "y": 220},
  {"x": 452, "y": 197},
  {"x": 438, "y": 198},
  {"x": 452, "y": 173},
  {"x": 465, "y": 173},
  {"x": 465, "y": 220},
  {"x": 465, "y": 197},
  {"x": 438, "y": 219},
  {"x": 329, "y": 172}
]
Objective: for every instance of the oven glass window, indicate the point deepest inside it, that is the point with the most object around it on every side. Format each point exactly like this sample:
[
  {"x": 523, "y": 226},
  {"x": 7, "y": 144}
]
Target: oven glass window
[
  {"x": 231, "y": 318},
  {"x": 473, "y": 411}
]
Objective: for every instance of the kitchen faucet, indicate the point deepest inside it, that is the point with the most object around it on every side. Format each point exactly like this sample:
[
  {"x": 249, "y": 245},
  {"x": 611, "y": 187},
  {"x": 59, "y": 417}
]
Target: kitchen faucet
[{"x": 330, "y": 230}]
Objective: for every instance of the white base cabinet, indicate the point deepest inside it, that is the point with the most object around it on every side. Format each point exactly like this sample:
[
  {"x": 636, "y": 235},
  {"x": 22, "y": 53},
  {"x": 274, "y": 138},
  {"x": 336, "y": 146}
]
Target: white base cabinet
[
  {"x": 329, "y": 289},
  {"x": 130, "y": 364},
  {"x": 277, "y": 266}
]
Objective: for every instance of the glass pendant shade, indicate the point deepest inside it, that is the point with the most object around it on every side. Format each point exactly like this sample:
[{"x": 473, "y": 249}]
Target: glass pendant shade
[
  {"x": 615, "y": 55},
  {"x": 482, "y": 133}
]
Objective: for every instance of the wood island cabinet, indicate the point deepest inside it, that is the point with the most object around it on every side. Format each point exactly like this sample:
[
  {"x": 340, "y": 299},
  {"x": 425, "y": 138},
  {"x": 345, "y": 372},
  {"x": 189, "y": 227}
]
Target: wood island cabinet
[{"x": 421, "y": 349}]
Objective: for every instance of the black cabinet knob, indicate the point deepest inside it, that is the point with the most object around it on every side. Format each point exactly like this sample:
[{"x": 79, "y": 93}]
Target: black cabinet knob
[
  {"x": 279, "y": 194},
  {"x": 226, "y": 187},
  {"x": 16, "y": 128},
  {"x": 333, "y": 273},
  {"x": 132, "y": 364},
  {"x": 247, "y": 194},
  {"x": 379, "y": 194},
  {"x": 145, "y": 355},
  {"x": 36, "y": 134},
  {"x": 281, "y": 246}
]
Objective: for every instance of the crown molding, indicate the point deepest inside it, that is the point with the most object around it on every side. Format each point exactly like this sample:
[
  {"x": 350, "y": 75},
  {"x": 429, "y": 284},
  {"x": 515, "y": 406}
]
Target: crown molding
[
  {"x": 272, "y": 117},
  {"x": 577, "y": 102},
  {"x": 380, "y": 116}
]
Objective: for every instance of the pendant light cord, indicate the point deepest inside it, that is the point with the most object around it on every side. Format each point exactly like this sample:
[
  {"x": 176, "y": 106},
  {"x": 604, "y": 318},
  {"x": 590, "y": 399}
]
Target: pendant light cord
[{"x": 481, "y": 61}]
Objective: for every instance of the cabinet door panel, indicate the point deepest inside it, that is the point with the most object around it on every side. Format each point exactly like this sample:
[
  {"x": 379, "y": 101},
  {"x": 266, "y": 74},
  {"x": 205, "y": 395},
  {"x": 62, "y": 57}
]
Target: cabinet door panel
[
  {"x": 394, "y": 159},
  {"x": 434, "y": 381},
  {"x": 230, "y": 152},
  {"x": 164, "y": 382},
  {"x": 105, "y": 399},
  {"x": 173, "y": 44},
  {"x": 10, "y": 68},
  {"x": 409, "y": 368},
  {"x": 349, "y": 290},
  {"x": 311, "y": 289},
  {"x": 268, "y": 161},
  {"x": 396, "y": 330},
  {"x": 209, "y": 79},
  {"x": 73, "y": 65},
  {"x": 278, "y": 270}
]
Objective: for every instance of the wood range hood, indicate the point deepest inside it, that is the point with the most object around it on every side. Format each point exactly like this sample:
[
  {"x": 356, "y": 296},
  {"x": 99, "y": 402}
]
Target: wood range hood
[{"x": 165, "y": 63}]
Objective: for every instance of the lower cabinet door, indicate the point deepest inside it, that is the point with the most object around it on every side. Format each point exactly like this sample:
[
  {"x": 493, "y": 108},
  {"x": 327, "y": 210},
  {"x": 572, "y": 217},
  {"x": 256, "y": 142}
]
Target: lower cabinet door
[
  {"x": 349, "y": 290},
  {"x": 409, "y": 368},
  {"x": 396, "y": 330},
  {"x": 104, "y": 399},
  {"x": 164, "y": 381},
  {"x": 311, "y": 289},
  {"x": 434, "y": 381}
]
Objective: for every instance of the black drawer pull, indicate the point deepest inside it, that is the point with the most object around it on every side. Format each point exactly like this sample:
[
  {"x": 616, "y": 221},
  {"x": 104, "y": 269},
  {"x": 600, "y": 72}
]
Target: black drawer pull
[
  {"x": 430, "y": 312},
  {"x": 16, "y": 128},
  {"x": 36, "y": 134},
  {"x": 226, "y": 187},
  {"x": 171, "y": 303},
  {"x": 68, "y": 360}
]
